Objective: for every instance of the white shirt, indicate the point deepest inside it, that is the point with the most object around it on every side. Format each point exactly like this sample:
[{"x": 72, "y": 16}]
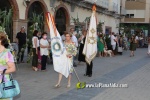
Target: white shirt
[
  {"x": 63, "y": 37},
  {"x": 74, "y": 39},
  {"x": 44, "y": 51},
  {"x": 33, "y": 41},
  {"x": 137, "y": 38},
  {"x": 112, "y": 40}
]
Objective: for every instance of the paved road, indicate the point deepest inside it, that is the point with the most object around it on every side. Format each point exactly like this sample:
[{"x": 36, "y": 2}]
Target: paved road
[{"x": 133, "y": 71}]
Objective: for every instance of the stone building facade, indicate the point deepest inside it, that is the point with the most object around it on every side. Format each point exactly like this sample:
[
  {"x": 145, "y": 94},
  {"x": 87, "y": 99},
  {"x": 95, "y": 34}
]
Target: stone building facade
[{"x": 108, "y": 13}]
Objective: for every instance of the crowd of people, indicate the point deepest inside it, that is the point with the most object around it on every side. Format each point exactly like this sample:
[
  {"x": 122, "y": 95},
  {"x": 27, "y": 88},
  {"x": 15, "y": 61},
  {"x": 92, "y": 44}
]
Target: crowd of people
[{"x": 107, "y": 45}]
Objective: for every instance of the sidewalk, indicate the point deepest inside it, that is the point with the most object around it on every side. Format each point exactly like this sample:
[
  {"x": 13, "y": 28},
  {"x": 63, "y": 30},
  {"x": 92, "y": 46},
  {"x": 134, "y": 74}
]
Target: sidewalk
[{"x": 120, "y": 69}]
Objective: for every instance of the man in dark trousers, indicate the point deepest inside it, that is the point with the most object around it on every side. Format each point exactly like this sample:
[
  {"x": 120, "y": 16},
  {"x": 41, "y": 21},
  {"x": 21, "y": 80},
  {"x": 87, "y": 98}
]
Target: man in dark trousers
[
  {"x": 89, "y": 69},
  {"x": 21, "y": 41}
]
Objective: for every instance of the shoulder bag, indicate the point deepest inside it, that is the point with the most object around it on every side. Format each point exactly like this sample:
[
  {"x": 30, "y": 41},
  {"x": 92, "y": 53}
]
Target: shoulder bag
[{"x": 10, "y": 88}]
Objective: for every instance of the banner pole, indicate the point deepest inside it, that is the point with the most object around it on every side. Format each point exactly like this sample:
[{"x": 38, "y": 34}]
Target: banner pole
[{"x": 76, "y": 75}]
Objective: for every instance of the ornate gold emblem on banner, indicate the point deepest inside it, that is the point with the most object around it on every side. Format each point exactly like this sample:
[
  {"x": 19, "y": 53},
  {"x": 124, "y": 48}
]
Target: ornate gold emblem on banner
[
  {"x": 92, "y": 40},
  {"x": 92, "y": 31}
]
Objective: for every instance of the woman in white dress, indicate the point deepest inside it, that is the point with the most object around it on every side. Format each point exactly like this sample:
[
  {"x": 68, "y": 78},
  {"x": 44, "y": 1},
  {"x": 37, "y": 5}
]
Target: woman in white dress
[
  {"x": 148, "y": 46},
  {"x": 71, "y": 51}
]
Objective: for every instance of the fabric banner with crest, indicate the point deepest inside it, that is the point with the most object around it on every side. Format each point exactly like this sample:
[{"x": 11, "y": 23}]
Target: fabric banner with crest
[
  {"x": 90, "y": 47},
  {"x": 60, "y": 61}
]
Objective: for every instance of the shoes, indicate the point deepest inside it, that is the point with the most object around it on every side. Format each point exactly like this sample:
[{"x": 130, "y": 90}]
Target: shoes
[
  {"x": 22, "y": 62},
  {"x": 79, "y": 62},
  {"x": 90, "y": 75},
  {"x": 35, "y": 69},
  {"x": 57, "y": 86},
  {"x": 68, "y": 86},
  {"x": 131, "y": 55},
  {"x": 74, "y": 65},
  {"x": 44, "y": 70}
]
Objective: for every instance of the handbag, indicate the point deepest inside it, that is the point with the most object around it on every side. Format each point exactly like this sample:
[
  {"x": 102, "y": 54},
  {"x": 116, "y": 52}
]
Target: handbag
[
  {"x": 120, "y": 49},
  {"x": 10, "y": 88}
]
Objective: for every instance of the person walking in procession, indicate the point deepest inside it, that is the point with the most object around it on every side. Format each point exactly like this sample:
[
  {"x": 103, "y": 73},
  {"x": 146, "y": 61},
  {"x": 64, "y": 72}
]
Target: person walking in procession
[
  {"x": 71, "y": 51},
  {"x": 90, "y": 47}
]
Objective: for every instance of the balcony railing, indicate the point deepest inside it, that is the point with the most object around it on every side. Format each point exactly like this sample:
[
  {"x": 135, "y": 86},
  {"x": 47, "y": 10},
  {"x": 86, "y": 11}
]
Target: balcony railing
[{"x": 134, "y": 20}]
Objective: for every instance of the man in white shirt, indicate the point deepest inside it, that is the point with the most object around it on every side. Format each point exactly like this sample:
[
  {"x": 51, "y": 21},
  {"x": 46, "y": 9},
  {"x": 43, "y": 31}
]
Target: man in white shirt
[
  {"x": 113, "y": 42},
  {"x": 75, "y": 40}
]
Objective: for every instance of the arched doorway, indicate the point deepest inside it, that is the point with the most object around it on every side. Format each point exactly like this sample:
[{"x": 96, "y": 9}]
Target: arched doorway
[
  {"x": 39, "y": 7},
  {"x": 35, "y": 15},
  {"x": 35, "y": 11},
  {"x": 6, "y": 17},
  {"x": 61, "y": 18}
]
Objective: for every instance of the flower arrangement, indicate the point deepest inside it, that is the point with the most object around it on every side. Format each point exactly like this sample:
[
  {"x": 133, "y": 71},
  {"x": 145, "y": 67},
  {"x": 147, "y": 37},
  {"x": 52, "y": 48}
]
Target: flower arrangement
[{"x": 71, "y": 49}]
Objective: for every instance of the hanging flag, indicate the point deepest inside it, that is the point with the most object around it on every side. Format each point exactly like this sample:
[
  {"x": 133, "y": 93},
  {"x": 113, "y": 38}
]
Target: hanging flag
[
  {"x": 90, "y": 47},
  {"x": 60, "y": 62}
]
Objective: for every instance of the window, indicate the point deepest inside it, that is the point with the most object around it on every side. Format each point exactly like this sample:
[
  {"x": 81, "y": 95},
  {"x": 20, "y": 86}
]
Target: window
[{"x": 129, "y": 16}]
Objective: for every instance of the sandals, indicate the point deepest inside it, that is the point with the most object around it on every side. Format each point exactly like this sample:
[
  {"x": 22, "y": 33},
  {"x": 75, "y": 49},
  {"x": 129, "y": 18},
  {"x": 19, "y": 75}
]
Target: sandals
[
  {"x": 68, "y": 86},
  {"x": 132, "y": 55},
  {"x": 35, "y": 69},
  {"x": 57, "y": 86}
]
